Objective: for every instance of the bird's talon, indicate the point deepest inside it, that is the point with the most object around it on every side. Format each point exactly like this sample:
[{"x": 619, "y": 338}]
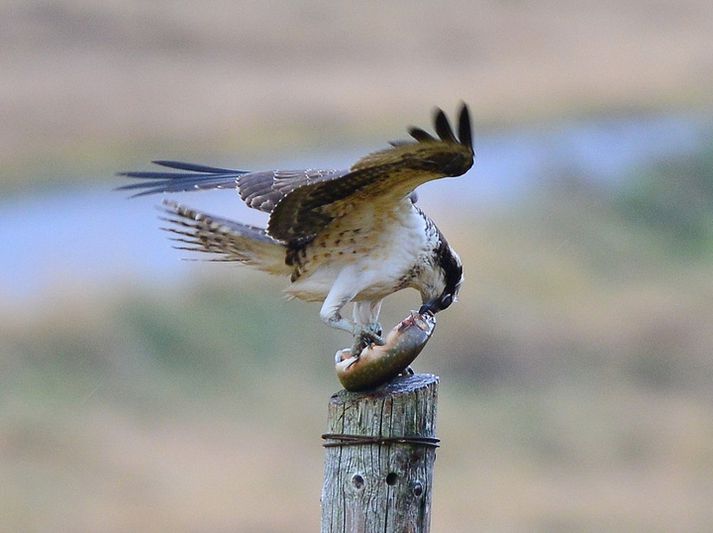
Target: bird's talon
[
  {"x": 373, "y": 338},
  {"x": 408, "y": 371},
  {"x": 375, "y": 328},
  {"x": 364, "y": 339}
]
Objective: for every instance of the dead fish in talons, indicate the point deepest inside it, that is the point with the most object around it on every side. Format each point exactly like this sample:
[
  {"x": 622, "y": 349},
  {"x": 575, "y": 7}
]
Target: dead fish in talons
[{"x": 376, "y": 365}]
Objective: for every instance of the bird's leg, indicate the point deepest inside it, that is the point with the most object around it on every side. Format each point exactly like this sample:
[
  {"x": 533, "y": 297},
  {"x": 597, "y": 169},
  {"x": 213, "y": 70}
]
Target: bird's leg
[
  {"x": 339, "y": 295},
  {"x": 366, "y": 314},
  {"x": 363, "y": 336}
]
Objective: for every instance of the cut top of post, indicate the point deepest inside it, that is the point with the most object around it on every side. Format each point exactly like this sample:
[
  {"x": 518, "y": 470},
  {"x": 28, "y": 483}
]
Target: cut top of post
[
  {"x": 397, "y": 386},
  {"x": 402, "y": 411}
]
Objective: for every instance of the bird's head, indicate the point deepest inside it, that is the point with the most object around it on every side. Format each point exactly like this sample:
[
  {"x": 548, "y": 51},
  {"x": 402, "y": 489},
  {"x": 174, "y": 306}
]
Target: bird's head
[{"x": 445, "y": 282}]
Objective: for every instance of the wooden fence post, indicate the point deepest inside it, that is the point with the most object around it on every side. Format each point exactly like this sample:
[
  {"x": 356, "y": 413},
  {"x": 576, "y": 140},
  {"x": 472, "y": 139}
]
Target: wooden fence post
[{"x": 380, "y": 452}]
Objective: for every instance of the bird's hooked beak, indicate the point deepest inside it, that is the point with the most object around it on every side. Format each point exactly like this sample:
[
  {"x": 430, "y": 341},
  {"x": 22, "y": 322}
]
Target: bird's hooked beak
[
  {"x": 436, "y": 305},
  {"x": 426, "y": 308}
]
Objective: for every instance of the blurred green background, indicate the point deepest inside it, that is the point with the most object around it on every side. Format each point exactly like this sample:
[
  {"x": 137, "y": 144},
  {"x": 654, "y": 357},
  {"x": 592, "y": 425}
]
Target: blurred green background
[{"x": 142, "y": 393}]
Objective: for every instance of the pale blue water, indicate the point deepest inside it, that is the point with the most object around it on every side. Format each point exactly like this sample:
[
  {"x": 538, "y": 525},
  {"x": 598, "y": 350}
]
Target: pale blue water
[{"x": 95, "y": 236}]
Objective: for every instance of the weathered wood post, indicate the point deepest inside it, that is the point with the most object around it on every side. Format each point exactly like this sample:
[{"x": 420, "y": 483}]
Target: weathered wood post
[{"x": 380, "y": 451}]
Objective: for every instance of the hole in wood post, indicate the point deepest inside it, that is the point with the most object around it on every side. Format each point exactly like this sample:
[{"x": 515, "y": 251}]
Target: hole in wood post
[
  {"x": 357, "y": 481},
  {"x": 417, "y": 488},
  {"x": 392, "y": 478}
]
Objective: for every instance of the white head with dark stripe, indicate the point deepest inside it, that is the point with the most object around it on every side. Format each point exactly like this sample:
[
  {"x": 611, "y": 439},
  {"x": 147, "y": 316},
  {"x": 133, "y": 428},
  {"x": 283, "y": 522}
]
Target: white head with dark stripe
[{"x": 441, "y": 287}]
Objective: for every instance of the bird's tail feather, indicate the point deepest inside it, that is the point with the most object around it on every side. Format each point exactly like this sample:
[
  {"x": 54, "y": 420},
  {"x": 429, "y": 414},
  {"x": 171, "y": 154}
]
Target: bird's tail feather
[{"x": 228, "y": 240}]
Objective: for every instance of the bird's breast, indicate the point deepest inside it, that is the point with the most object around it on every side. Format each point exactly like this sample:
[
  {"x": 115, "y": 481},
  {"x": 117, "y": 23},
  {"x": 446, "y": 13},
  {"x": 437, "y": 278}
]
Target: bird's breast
[{"x": 383, "y": 249}]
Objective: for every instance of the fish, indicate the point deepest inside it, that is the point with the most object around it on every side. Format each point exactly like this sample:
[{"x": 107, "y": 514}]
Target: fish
[{"x": 376, "y": 365}]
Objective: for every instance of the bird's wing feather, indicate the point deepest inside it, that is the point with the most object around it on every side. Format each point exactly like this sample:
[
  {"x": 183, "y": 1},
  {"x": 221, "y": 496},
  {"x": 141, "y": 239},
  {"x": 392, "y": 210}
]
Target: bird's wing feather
[
  {"x": 380, "y": 179},
  {"x": 260, "y": 190},
  {"x": 228, "y": 240},
  {"x": 263, "y": 190},
  {"x": 191, "y": 177}
]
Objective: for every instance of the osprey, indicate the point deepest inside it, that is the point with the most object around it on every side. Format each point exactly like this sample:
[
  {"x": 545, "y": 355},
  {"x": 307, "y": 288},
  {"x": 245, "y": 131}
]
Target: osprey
[{"x": 340, "y": 236}]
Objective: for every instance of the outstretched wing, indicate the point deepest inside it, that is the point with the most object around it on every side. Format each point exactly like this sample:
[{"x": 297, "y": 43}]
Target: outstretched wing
[
  {"x": 302, "y": 202},
  {"x": 260, "y": 190},
  {"x": 380, "y": 179}
]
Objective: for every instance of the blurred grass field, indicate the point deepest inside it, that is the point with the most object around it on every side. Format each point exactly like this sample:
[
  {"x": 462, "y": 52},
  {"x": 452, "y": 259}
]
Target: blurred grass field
[{"x": 576, "y": 368}]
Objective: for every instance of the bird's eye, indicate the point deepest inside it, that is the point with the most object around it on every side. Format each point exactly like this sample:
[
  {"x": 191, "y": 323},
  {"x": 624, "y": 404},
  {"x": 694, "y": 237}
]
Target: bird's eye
[{"x": 446, "y": 301}]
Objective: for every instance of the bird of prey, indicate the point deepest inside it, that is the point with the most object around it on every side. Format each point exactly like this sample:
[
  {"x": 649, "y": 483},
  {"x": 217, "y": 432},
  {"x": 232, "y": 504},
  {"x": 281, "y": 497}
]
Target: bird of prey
[{"x": 339, "y": 236}]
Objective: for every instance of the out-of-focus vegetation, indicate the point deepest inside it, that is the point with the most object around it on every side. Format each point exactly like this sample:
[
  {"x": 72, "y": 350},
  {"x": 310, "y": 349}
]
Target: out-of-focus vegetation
[
  {"x": 675, "y": 199},
  {"x": 576, "y": 374}
]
